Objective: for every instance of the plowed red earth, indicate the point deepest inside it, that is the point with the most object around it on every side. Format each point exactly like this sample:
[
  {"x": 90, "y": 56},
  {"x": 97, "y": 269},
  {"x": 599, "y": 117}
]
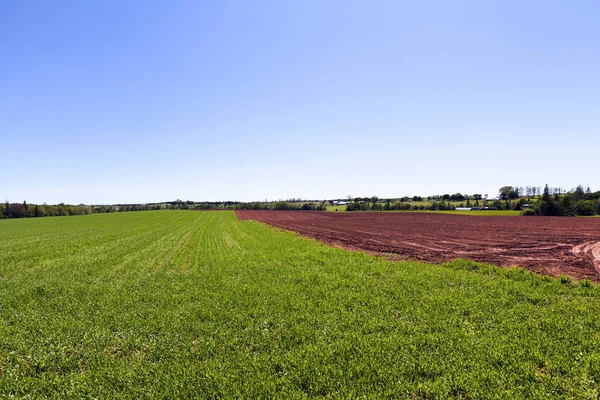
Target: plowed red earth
[{"x": 547, "y": 245}]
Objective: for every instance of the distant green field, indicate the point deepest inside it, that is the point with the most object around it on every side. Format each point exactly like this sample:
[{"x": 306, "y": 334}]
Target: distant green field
[
  {"x": 499, "y": 213},
  {"x": 481, "y": 213},
  {"x": 186, "y": 304},
  {"x": 336, "y": 208}
]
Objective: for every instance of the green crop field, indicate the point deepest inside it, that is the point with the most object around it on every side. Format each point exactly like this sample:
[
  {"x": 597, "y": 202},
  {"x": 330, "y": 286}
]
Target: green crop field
[
  {"x": 336, "y": 208},
  {"x": 184, "y": 304},
  {"x": 480, "y": 213}
]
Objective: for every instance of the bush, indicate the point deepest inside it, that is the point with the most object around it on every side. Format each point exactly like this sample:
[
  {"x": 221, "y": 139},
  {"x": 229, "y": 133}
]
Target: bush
[
  {"x": 528, "y": 212},
  {"x": 585, "y": 207},
  {"x": 548, "y": 207}
]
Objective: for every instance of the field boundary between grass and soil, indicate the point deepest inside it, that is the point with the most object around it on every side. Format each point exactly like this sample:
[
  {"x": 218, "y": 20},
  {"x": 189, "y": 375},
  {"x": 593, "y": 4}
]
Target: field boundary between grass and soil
[{"x": 544, "y": 244}]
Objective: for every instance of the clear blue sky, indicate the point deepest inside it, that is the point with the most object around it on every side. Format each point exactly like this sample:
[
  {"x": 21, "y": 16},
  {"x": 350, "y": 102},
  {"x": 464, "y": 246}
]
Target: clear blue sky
[{"x": 143, "y": 101}]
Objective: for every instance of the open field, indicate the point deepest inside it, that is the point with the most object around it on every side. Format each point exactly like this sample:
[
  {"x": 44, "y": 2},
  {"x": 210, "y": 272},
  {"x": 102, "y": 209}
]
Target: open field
[
  {"x": 336, "y": 208},
  {"x": 549, "y": 245},
  {"x": 184, "y": 304},
  {"x": 478, "y": 213}
]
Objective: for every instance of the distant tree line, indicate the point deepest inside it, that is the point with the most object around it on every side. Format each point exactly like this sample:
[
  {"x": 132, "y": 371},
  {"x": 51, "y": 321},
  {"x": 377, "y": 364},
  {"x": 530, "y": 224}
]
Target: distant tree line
[
  {"x": 531, "y": 200},
  {"x": 552, "y": 201},
  {"x": 24, "y": 210},
  {"x": 256, "y": 205},
  {"x": 370, "y": 204},
  {"x": 576, "y": 202},
  {"x": 282, "y": 205}
]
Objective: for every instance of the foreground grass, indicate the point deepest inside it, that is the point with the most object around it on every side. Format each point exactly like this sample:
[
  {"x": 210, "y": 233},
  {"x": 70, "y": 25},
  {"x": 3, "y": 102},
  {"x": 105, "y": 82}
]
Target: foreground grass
[{"x": 197, "y": 304}]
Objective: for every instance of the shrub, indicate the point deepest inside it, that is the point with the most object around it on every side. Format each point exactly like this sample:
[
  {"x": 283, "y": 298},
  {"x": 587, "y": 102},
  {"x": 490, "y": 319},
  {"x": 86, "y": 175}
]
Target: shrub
[
  {"x": 585, "y": 207},
  {"x": 548, "y": 207},
  {"x": 528, "y": 212}
]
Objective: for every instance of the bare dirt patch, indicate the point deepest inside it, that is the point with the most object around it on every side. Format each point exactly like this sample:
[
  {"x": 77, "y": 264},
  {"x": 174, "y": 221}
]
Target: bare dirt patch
[
  {"x": 548, "y": 245},
  {"x": 591, "y": 250}
]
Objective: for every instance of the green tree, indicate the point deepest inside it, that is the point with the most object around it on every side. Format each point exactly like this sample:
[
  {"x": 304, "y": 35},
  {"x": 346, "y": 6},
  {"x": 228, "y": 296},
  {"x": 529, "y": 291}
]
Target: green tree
[
  {"x": 547, "y": 206},
  {"x": 585, "y": 207},
  {"x": 374, "y": 200},
  {"x": 504, "y": 190},
  {"x": 566, "y": 204},
  {"x": 457, "y": 197},
  {"x": 578, "y": 194},
  {"x": 546, "y": 194}
]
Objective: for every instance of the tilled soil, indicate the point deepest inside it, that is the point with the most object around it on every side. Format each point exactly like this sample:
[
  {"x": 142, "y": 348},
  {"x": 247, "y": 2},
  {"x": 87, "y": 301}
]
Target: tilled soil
[{"x": 547, "y": 245}]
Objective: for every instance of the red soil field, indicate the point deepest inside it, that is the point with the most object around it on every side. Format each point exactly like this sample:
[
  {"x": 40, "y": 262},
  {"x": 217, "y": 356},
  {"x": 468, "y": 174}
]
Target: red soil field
[{"x": 547, "y": 245}]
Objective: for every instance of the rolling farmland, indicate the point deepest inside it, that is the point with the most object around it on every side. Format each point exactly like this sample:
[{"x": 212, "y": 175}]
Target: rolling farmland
[
  {"x": 548, "y": 245},
  {"x": 166, "y": 304}
]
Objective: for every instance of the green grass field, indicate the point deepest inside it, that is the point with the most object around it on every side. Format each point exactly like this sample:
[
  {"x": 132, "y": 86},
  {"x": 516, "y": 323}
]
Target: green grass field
[
  {"x": 480, "y": 213},
  {"x": 184, "y": 304},
  {"x": 338, "y": 208}
]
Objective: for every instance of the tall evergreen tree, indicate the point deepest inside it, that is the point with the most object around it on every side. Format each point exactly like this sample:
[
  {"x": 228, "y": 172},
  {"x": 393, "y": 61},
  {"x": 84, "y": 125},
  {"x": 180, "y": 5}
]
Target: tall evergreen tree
[{"x": 546, "y": 194}]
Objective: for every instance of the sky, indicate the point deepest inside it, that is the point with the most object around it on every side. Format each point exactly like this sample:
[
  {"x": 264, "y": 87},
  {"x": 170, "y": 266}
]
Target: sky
[{"x": 145, "y": 101}]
